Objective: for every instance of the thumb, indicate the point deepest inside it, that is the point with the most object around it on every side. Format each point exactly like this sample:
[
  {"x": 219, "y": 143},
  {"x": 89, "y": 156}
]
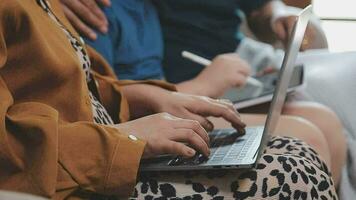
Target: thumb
[{"x": 280, "y": 30}]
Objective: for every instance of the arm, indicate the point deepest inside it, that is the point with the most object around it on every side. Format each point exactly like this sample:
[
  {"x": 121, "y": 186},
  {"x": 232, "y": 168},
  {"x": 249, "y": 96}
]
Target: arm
[
  {"x": 149, "y": 97},
  {"x": 40, "y": 153},
  {"x": 275, "y": 21},
  {"x": 35, "y": 146}
]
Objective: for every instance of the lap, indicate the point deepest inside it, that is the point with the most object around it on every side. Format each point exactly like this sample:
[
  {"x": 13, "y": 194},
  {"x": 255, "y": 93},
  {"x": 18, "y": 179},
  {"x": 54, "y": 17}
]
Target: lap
[{"x": 289, "y": 168}]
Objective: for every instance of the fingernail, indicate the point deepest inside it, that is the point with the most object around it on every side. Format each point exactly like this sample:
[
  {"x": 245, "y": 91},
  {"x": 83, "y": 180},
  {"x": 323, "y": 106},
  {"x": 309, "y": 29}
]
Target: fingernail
[
  {"x": 242, "y": 131},
  {"x": 191, "y": 152},
  {"x": 210, "y": 126},
  {"x": 104, "y": 29},
  {"x": 93, "y": 36}
]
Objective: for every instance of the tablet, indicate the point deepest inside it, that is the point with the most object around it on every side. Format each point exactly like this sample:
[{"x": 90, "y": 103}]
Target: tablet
[{"x": 247, "y": 96}]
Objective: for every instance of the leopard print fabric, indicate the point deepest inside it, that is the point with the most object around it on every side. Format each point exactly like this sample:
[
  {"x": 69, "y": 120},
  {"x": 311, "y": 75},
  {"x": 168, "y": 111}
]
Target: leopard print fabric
[
  {"x": 100, "y": 114},
  {"x": 289, "y": 169}
]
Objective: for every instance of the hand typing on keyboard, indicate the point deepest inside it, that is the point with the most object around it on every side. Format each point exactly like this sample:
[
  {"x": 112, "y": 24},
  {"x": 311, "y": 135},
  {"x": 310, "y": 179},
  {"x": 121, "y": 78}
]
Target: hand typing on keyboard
[{"x": 222, "y": 144}]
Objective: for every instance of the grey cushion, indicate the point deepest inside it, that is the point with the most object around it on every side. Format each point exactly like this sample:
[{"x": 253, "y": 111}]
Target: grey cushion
[{"x": 331, "y": 80}]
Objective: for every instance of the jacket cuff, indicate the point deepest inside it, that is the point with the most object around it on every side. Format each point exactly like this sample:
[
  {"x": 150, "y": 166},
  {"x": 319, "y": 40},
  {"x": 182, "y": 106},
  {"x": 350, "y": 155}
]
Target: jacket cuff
[{"x": 122, "y": 174}]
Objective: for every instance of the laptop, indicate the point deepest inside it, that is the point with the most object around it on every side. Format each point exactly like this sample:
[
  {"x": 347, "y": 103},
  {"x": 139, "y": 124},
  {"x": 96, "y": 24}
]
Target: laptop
[{"x": 229, "y": 148}]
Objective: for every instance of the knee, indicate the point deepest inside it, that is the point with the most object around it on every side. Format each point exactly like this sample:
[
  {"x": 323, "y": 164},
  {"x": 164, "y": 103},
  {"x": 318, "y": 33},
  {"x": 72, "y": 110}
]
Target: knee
[
  {"x": 306, "y": 131},
  {"x": 302, "y": 129},
  {"x": 322, "y": 117},
  {"x": 313, "y": 111}
]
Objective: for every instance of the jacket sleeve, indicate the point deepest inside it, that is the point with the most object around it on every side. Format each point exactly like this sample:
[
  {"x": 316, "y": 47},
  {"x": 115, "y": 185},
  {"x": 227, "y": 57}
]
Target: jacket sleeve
[
  {"x": 35, "y": 145},
  {"x": 110, "y": 87}
]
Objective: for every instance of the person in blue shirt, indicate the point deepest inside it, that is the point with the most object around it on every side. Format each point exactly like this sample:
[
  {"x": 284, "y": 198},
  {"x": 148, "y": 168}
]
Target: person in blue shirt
[{"x": 133, "y": 46}]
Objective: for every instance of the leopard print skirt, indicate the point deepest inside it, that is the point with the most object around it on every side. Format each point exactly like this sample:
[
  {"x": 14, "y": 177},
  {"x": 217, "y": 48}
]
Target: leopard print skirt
[{"x": 289, "y": 169}]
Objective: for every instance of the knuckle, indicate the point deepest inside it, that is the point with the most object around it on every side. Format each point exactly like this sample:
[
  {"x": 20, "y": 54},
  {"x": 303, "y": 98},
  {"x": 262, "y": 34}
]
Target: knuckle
[
  {"x": 228, "y": 102},
  {"x": 91, "y": 3},
  {"x": 194, "y": 140},
  {"x": 204, "y": 99},
  {"x": 177, "y": 147},
  {"x": 190, "y": 134},
  {"x": 220, "y": 57},
  {"x": 163, "y": 146},
  {"x": 225, "y": 109},
  {"x": 195, "y": 124},
  {"x": 157, "y": 147},
  {"x": 247, "y": 69},
  {"x": 231, "y": 114},
  {"x": 163, "y": 115},
  {"x": 204, "y": 122},
  {"x": 237, "y": 80}
]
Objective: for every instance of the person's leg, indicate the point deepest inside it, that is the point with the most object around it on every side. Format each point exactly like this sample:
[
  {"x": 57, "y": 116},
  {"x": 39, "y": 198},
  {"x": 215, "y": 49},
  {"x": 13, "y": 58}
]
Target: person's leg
[
  {"x": 297, "y": 127},
  {"x": 291, "y": 126},
  {"x": 282, "y": 173},
  {"x": 328, "y": 122}
]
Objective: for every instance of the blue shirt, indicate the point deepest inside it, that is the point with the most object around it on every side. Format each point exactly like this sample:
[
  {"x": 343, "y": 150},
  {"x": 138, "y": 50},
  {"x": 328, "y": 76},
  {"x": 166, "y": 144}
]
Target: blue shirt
[{"x": 133, "y": 46}]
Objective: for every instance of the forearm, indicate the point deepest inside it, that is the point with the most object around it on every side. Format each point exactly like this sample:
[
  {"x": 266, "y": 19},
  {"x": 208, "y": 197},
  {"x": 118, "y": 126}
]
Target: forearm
[
  {"x": 142, "y": 98},
  {"x": 193, "y": 87},
  {"x": 47, "y": 152}
]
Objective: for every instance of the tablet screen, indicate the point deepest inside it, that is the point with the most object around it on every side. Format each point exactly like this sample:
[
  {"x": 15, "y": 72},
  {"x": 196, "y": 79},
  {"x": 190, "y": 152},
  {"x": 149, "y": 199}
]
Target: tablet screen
[{"x": 269, "y": 82}]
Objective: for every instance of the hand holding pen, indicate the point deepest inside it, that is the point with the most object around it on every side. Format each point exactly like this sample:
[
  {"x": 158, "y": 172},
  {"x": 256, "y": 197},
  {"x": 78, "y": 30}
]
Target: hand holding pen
[{"x": 205, "y": 62}]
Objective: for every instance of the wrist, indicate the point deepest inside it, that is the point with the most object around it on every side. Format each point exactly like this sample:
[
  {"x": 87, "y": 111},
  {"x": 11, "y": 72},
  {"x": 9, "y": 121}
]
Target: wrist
[
  {"x": 195, "y": 87},
  {"x": 143, "y": 99}
]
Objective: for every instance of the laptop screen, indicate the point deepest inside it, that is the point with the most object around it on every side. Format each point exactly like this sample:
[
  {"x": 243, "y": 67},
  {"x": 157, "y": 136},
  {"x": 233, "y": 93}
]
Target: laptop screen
[{"x": 285, "y": 75}]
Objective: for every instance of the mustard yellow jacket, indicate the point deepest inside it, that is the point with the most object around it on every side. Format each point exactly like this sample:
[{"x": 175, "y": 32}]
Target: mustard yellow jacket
[{"x": 49, "y": 145}]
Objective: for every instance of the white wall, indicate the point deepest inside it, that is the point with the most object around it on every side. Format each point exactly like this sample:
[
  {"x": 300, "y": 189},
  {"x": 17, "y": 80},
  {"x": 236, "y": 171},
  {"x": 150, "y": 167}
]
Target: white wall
[{"x": 335, "y": 8}]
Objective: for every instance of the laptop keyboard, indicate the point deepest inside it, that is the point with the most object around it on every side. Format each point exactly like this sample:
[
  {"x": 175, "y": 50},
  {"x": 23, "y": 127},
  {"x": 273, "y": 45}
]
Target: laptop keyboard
[{"x": 226, "y": 145}]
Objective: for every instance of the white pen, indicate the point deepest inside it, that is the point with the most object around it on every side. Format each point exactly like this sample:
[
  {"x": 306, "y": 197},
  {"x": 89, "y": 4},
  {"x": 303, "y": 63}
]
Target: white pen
[{"x": 206, "y": 62}]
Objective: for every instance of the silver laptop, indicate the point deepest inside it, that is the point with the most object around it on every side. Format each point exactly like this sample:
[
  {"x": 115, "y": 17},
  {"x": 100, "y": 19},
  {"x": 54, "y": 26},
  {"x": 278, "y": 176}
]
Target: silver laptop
[{"x": 230, "y": 149}]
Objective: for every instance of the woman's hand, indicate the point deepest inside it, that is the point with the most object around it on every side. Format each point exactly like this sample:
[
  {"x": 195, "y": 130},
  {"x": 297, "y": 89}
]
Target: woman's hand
[
  {"x": 226, "y": 71},
  {"x": 198, "y": 108},
  {"x": 147, "y": 99},
  {"x": 85, "y": 15},
  {"x": 166, "y": 134}
]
